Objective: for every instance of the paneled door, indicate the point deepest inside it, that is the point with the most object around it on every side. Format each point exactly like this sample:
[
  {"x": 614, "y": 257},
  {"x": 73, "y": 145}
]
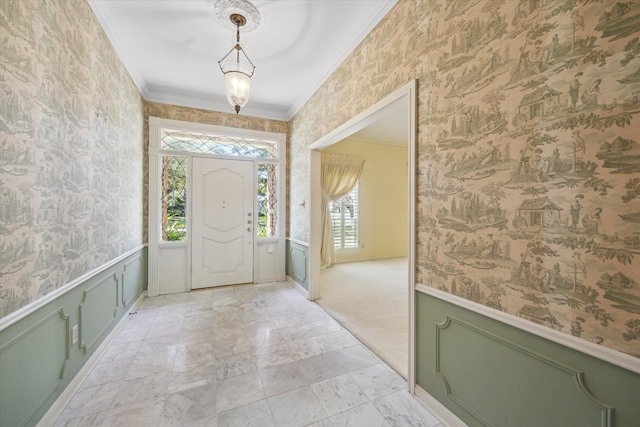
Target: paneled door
[{"x": 222, "y": 229}]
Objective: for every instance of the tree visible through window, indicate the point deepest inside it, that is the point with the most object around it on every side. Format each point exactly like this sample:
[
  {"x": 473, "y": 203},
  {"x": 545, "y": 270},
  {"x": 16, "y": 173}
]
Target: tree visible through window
[
  {"x": 267, "y": 199},
  {"x": 174, "y": 198},
  {"x": 344, "y": 220}
]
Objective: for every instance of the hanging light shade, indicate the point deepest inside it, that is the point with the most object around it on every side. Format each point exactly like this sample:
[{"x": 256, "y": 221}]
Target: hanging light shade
[{"x": 237, "y": 69}]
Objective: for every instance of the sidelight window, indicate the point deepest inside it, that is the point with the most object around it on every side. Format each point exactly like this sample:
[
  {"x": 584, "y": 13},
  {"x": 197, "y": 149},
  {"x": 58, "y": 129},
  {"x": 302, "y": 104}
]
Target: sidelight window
[
  {"x": 267, "y": 199},
  {"x": 174, "y": 198}
]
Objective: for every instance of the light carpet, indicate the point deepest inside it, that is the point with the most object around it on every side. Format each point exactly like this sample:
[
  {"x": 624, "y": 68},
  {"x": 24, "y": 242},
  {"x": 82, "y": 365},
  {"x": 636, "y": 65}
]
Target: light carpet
[{"x": 370, "y": 299}]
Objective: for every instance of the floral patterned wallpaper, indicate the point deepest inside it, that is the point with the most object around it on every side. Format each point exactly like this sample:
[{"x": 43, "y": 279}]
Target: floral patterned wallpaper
[
  {"x": 71, "y": 147},
  {"x": 528, "y": 151}
]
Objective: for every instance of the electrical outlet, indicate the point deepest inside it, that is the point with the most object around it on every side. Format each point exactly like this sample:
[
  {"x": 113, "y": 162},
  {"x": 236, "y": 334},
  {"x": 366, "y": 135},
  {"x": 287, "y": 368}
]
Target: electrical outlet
[{"x": 74, "y": 334}]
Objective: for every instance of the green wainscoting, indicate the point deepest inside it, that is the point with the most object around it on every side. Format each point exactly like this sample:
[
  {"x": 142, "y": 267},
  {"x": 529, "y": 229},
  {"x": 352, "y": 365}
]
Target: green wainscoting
[
  {"x": 297, "y": 263},
  {"x": 37, "y": 359},
  {"x": 489, "y": 373}
]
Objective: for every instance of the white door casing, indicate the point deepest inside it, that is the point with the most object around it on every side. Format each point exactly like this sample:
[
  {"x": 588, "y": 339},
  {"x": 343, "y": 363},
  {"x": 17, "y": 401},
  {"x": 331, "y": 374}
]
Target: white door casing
[
  {"x": 406, "y": 95},
  {"x": 223, "y": 222}
]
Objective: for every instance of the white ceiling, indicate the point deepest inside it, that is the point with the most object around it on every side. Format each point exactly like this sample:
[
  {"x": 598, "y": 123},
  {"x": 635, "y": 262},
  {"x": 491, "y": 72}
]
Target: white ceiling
[
  {"x": 171, "y": 48},
  {"x": 391, "y": 126}
]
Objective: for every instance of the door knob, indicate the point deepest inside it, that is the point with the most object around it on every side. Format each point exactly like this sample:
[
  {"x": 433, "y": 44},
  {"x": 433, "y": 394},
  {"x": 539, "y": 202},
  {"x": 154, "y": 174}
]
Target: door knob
[{"x": 248, "y": 228}]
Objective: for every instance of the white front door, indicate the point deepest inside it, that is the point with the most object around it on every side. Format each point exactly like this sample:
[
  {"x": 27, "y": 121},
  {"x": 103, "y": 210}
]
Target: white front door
[{"x": 222, "y": 228}]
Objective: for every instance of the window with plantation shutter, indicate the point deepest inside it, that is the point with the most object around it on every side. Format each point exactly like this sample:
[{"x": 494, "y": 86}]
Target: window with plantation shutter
[{"x": 345, "y": 214}]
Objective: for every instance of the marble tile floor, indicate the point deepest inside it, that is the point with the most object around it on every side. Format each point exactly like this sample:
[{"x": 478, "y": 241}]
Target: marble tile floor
[{"x": 252, "y": 355}]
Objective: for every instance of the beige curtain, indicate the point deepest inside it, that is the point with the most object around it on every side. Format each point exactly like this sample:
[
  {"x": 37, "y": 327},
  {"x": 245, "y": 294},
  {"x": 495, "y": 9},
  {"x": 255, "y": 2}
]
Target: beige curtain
[{"x": 339, "y": 174}]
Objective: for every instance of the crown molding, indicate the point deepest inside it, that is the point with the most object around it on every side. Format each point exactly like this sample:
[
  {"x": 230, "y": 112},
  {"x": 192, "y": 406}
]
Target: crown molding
[
  {"x": 106, "y": 21},
  {"x": 282, "y": 113}
]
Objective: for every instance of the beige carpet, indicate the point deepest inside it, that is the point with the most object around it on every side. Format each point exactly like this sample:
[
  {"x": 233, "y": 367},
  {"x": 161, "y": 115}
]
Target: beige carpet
[{"x": 371, "y": 300}]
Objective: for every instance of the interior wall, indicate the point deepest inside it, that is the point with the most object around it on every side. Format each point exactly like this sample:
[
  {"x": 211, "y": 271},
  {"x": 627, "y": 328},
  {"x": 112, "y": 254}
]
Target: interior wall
[
  {"x": 38, "y": 358},
  {"x": 493, "y": 374},
  {"x": 71, "y": 150},
  {"x": 383, "y": 199},
  {"x": 527, "y": 159},
  {"x": 530, "y": 164},
  {"x": 71, "y": 185},
  {"x": 497, "y": 133}
]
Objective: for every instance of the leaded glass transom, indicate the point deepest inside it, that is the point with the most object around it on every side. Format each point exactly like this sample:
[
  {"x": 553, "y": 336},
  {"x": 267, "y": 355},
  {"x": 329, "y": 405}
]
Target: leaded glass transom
[{"x": 197, "y": 142}]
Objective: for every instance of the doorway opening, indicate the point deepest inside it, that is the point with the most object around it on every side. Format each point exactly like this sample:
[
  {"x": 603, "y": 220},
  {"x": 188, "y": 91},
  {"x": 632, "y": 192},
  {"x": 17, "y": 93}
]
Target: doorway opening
[{"x": 363, "y": 135}]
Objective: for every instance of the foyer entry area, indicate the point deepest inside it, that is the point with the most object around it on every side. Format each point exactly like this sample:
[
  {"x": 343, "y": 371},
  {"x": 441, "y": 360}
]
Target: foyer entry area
[
  {"x": 260, "y": 355},
  {"x": 216, "y": 206}
]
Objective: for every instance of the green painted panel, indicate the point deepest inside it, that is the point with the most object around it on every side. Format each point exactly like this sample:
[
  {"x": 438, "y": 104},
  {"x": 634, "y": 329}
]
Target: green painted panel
[
  {"x": 132, "y": 276},
  {"x": 37, "y": 359},
  {"x": 32, "y": 367},
  {"x": 98, "y": 311},
  {"x": 490, "y": 373},
  {"x": 501, "y": 370},
  {"x": 297, "y": 263}
]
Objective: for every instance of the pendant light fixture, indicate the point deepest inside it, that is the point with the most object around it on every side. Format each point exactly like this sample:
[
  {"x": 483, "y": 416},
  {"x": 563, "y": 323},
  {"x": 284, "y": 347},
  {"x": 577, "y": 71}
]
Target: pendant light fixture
[{"x": 237, "y": 69}]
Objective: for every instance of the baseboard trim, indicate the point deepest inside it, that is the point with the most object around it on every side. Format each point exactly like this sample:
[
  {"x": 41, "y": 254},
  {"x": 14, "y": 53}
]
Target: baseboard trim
[
  {"x": 298, "y": 287},
  {"x": 438, "y": 410},
  {"x": 347, "y": 259},
  {"x": 54, "y": 412}
]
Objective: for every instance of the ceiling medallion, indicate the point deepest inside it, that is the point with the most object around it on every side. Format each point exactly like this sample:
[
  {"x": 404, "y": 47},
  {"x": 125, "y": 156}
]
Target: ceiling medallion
[{"x": 226, "y": 8}]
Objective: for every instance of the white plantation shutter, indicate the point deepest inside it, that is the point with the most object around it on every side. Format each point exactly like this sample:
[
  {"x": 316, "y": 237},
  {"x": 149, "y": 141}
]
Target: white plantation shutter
[
  {"x": 339, "y": 175},
  {"x": 345, "y": 214}
]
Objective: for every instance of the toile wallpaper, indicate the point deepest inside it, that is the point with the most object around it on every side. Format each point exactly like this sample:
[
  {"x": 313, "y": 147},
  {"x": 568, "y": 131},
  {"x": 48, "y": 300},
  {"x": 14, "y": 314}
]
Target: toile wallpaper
[
  {"x": 71, "y": 149},
  {"x": 231, "y": 119},
  {"x": 528, "y": 151}
]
